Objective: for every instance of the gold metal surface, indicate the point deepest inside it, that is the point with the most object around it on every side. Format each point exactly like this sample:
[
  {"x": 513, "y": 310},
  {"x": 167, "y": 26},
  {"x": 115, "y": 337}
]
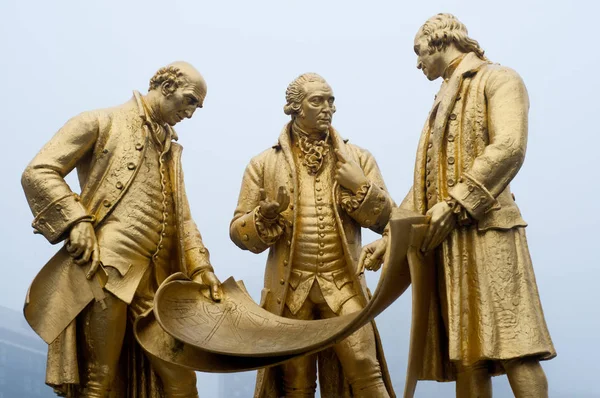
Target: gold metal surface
[
  {"x": 237, "y": 334},
  {"x": 126, "y": 232},
  {"x": 479, "y": 311},
  {"x": 334, "y": 188}
]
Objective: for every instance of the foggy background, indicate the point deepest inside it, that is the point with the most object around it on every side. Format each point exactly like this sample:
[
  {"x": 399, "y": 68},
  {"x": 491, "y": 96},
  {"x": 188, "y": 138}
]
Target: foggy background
[{"x": 60, "y": 58}]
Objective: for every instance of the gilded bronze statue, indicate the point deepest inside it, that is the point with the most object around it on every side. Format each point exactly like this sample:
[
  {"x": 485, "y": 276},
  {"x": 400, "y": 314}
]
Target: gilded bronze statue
[
  {"x": 306, "y": 199},
  {"x": 130, "y": 227},
  {"x": 484, "y": 316}
]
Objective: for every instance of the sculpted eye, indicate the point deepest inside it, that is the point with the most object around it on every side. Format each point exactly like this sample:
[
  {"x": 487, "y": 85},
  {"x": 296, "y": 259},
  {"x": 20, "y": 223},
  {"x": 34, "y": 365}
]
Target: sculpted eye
[{"x": 191, "y": 100}]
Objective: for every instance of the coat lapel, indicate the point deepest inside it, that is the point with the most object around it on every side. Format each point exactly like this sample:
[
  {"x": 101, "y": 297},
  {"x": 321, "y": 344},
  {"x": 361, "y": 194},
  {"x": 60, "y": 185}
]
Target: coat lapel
[{"x": 469, "y": 65}]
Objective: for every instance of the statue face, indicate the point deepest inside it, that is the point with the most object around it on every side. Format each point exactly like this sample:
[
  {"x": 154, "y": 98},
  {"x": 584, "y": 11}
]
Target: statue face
[
  {"x": 317, "y": 108},
  {"x": 182, "y": 103},
  {"x": 432, "y": 64}
]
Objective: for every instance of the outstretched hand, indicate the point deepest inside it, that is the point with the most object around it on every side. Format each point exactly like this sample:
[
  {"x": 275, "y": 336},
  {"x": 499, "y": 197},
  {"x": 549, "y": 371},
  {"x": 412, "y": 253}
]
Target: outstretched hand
[
  {"x": 442, "y": 223},
  {"x": 210, "y": 279},
  {"x": 272, "y": 208},
  {"x": 372, "y": 255}
]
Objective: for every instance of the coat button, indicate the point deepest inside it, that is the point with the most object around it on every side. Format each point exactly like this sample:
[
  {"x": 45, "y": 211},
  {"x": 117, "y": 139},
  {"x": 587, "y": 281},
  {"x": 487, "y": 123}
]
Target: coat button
[
  {"x": 428, "y": 183},
  {"x": 428, "y": 159},
  {"x": 451, "y": 138},
  {"x": 278, "y": 301},
  {"x": 105, "y": 150},
  {"x": 322, "y": 226},
  {"x": 106, "y": 203},
  {"x": 119, "y": 185},
  {"x": 322, "y": 244},
  {"x": 203, "y": 250},
  {"x": 292, "y": 190},
  {"x": 289, "y": 242},
  {"x": 450, "y": 182},
  {"x": 243, "y": 223},
  {"x": 285, "y": 263},
  {"x": 281, "y": 281},
  {"x": 429, "y": 145},
  {"x": 471, "y": 188},
  {"x": 450, "y": 160},
  {"x": 318, "y": 180},
  {"x": 245, "y": 237},
  {"x": 131, "y": 166},
  {"x": 367, "y": 221},
  {"x": 322, "y": 235},
  {"x": 452, "y": 116},
  {"x": 428, "y": 171},
  {"x": 291, "y": 207},
  {"x": 139, "y": 147}
]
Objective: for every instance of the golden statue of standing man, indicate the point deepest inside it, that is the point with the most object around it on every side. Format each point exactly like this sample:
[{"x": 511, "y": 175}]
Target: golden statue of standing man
[
  {"x": 485, "y": 316},
  {"x": 314, "y": 240},
  {"x": 131, "y": 223}
]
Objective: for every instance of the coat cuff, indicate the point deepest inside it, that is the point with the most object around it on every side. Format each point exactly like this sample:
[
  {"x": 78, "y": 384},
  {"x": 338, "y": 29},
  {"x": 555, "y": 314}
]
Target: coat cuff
[
  {"x": 55, "y": 221},
  {"x": 473, "y": 196},
  {"x": 197, "y": 260},
  {"x": 246, "y": 230},
  {"x": 374, "y": 210}
]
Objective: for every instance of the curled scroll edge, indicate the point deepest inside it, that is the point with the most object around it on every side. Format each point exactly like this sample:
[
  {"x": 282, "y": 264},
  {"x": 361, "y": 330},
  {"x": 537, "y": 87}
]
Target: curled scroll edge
[{"x": 234, "y": 335}]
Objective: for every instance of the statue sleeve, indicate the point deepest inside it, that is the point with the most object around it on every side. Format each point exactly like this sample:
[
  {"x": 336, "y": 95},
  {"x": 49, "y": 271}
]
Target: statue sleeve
[
  {"x": 249, "y": 230},
  {"x": 498, "y": 164},
  {"x": 55, "y": 207},
  {"x": 374, "y": 209},
  {"x": 197, "y": 257}
]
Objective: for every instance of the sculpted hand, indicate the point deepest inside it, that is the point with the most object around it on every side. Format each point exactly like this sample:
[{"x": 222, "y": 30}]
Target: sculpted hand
[
  {"x": 271, "y": 209},
  {"x": 371, "y": 256},
  {"x": 210, "y": 279},
  {"x": 442, "y": 222},
  {"x": 82, "y": 245},
  {"x": 349, "y": 174}
]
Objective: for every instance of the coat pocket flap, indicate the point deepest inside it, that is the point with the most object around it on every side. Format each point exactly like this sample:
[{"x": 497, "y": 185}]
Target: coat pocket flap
[
  {"x": 341, "y": 278},
  {"x": 295, "y": 278}
]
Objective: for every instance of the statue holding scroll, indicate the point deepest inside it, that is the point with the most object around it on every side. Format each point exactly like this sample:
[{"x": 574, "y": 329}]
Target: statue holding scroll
[
  {"x": 130, "y": 228},
  {"x": 306, "y": 199},
  {"x": 484, "y": 314}
]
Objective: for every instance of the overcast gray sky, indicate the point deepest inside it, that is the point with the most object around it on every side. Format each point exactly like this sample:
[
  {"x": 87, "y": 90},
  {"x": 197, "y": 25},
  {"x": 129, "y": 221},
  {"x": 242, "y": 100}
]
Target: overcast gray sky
[{"x": 60, "y": 58}]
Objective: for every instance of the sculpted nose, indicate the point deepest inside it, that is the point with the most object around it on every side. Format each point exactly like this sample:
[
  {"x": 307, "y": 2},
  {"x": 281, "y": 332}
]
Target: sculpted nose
[
  {"x": 189, "y": 113},
  {"x": 419, "y": 64}
]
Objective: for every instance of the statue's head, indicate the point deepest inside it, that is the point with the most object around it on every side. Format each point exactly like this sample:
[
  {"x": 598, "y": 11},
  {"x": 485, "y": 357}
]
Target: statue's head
[
  {"x": 181, "y": 90},
  {"x": 440, "y": 35},
  {"x": 309, "y": 101}
]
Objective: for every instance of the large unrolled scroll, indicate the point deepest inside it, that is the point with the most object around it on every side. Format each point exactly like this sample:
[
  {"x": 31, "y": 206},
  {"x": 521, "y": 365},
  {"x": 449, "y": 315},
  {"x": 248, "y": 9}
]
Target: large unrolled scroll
[{"x": 236, "y": 334}]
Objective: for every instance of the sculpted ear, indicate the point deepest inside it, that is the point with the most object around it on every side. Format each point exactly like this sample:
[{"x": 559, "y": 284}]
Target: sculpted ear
[{"x": 167, "y": 88}]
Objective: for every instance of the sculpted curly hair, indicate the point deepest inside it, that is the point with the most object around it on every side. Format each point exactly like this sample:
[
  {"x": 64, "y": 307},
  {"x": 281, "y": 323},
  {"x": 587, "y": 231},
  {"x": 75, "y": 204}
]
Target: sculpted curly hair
[
  {"x": 443, "y": 29},
  {"x": 171, "y": 74},
  {"x": 295, "y": 92}
]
